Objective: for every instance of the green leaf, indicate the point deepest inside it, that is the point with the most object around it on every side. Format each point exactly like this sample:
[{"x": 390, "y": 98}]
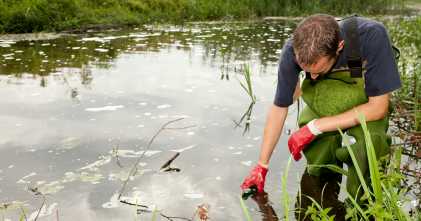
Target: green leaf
[{"x": 332, "y": 167}]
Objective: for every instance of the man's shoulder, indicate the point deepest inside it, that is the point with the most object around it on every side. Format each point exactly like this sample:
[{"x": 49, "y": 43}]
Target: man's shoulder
[
  {"x": 367, "y": 25},
  {"x": 370, "y": 25}
]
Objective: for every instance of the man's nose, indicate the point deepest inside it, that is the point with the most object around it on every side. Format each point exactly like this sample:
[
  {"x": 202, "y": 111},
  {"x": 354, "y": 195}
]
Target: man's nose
[{"x": 313, "y": 76}]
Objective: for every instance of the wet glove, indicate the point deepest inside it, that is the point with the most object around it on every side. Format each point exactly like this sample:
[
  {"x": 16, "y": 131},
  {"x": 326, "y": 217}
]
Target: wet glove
[
  {"x": 256, "y": 178},
  {"x": 299, "y": 139}
]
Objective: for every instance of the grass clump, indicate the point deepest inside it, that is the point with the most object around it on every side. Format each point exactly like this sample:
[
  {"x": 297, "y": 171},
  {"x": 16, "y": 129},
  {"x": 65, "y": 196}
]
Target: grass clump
[{"x": 383, "y": 196}]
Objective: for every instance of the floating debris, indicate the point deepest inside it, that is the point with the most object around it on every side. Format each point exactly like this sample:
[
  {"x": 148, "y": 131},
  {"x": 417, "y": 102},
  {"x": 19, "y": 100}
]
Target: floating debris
[
  {"x": 247, "y": 163},
  {"x": 11, "y": 205},
  {"x": 50, "y": 188},
  {"x": 69, "y": 143},
  {"x": 106, "y": 108},
  {"x": 132, "y": 153},
  {"x": 95, "y": 165},
  {"x": 22, "y": 180},
  {"x": 184, "y": 148},
  {"x": 91, "y": 178},
  {"x": 163, "y": 106},
  {"x": 202, "y": 212},
  {"x": 193, "y": 195}
]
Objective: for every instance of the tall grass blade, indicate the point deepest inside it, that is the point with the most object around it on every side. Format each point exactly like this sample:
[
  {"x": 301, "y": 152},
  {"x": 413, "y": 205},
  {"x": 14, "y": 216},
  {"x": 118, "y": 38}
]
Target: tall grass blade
[
  {"x": 355, "y": 163},
  {"x": 372, "y": 161},
  {"x": 154, "y": 214},
  {"x": 285, "y": 195},
  {"x": 245, "y": 210}
]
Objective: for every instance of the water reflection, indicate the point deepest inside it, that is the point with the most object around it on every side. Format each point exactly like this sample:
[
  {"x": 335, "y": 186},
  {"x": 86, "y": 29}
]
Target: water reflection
[
  {"x": 230, "y": 42},
  {"x": 265, "y": 207}
]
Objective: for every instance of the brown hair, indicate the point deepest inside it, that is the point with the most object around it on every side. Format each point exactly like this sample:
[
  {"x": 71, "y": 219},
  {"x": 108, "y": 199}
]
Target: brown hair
[{"x": 316, "y": 36}]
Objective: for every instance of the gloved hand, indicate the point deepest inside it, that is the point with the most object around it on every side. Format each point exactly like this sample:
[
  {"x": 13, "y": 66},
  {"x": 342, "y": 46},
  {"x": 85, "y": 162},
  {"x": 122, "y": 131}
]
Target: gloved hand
[
  {"x": 299, "y": 139},
  {"x": 256, "y": 178}
]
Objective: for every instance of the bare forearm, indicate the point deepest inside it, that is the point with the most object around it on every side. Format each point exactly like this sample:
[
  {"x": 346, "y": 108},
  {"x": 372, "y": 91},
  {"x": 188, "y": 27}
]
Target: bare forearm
[
  {"x": 375, "y": 109},
  {"x": 274, "y": 124}
]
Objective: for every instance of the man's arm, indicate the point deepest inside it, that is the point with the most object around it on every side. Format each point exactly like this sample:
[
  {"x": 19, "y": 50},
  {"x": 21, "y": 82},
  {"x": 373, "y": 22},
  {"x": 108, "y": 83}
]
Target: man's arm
[
  {"x": 375, "y": 109},
  {"x": 274, "y": 124}
]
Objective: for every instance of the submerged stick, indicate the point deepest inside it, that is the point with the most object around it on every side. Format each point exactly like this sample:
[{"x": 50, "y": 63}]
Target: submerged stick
[
  {"x": 171, "y": 218},
  {"x": 168, "y": 163}
]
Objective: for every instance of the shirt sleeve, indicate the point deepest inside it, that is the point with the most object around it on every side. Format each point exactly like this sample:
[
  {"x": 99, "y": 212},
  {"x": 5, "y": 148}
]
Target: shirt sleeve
[
  {"x": 382, "y": 74},
  {"x": 288, "y": 71}
]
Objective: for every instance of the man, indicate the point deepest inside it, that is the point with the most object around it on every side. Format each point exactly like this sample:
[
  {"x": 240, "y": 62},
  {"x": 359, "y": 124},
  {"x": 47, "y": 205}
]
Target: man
[{"x": 350, "y": 70}]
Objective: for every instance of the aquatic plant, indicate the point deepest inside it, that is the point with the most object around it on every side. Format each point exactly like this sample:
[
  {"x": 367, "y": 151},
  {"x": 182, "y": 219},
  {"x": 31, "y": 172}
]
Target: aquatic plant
[{"x": 248, "y": 88}]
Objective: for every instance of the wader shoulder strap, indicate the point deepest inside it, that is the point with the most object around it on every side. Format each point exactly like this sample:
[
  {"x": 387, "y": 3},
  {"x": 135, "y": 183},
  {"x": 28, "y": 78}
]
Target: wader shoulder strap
[{"x": 353, "y": 56}]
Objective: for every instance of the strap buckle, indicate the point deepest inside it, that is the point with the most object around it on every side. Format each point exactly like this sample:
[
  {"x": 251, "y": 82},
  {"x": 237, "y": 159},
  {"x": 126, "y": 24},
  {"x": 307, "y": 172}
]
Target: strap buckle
[{"x": 355, "y": 66}]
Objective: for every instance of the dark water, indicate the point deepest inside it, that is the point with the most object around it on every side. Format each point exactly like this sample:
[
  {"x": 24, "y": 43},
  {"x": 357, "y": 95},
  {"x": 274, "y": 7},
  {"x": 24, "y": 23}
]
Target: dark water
[{"x": 78, "y": 111}]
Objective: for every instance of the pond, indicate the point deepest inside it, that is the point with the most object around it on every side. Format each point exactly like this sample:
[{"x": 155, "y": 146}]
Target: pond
[{"x": 78, "y": 112}]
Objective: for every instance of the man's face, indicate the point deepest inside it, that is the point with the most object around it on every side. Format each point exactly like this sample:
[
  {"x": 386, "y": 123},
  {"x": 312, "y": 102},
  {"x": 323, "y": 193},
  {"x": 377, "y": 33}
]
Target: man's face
[{"x": 322, "y": 66}]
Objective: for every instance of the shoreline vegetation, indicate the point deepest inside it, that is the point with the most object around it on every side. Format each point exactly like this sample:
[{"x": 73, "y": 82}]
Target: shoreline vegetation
[{"x": 27, "y": 16}]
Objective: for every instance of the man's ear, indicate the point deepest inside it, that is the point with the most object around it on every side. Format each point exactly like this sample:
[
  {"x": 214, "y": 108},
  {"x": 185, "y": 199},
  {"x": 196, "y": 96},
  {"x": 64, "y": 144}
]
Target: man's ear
[{"x": 340, "y": 46}]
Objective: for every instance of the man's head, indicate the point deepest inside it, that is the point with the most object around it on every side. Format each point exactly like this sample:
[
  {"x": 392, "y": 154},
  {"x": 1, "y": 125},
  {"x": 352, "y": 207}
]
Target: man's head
[{"x": 316, "y": 43}]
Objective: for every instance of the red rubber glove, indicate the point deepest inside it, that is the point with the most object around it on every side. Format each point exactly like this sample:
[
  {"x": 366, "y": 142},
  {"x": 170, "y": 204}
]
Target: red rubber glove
[
  {"x": 299, "y": 139},
  {"x": 256, "y": 177}
]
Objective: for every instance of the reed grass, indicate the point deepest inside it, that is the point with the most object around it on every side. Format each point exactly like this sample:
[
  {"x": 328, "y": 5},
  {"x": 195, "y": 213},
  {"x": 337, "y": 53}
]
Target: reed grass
[
  {"x": 19, "y": 16},
  {"x": 247, "y": 85},
  {"x": 248, "y": 88},
  {"x": 245, "y": 210},
  {"x": 154, "y": 214},
  {"x": 386, "y": 199},
  {"x": 285, "y": 196}
]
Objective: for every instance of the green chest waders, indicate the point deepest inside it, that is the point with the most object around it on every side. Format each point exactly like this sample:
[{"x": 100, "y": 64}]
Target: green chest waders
[{"x": 336, "y": 93}]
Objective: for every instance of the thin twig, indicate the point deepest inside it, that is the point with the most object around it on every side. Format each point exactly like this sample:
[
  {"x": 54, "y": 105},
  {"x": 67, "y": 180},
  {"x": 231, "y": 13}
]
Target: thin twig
[
  {"x": 133, "y": 171},
  {"x": 42, "y": 205},
  {"x": 133, "y": 204}
]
